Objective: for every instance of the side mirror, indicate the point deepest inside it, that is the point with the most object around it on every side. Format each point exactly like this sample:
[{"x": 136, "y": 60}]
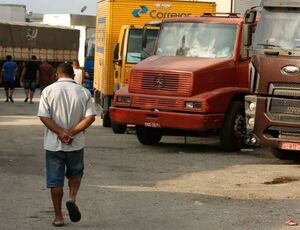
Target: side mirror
[
  {"x": 116, "y": 59},
  {"x": 116, "y": 51},
  {"x": 250, "y": 16},
  {"x": 247, "y": 34},
  {"x": 144, "y": 38}
]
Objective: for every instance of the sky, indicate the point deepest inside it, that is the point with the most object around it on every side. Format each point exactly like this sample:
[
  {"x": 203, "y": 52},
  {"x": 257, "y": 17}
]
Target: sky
[{"x": 56, "y": 6}]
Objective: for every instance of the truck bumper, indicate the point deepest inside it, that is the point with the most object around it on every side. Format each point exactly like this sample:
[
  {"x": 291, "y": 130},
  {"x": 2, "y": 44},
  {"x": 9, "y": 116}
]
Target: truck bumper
[
  {"x": 168, "y": 120},
  {"x": 270, "y": 131}
]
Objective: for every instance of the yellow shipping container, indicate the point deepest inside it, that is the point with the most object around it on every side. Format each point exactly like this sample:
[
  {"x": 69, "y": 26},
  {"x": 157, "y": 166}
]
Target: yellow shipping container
[{"x": 112, "y": 15}]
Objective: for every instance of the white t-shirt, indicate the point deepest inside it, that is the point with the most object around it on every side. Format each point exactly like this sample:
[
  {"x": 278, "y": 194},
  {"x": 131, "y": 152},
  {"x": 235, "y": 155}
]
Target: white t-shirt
[
  {"x": 78, "y": 76},
  {"x": 66, "y": 103}
]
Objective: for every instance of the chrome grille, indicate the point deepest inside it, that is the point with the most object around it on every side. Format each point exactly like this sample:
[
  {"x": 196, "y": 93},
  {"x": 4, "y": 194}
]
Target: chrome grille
[
  {"x": 161, "y": 83},
  {"x": 284, "y": 132},
  {"x": 285, "y": 89},
  {"x": 287, "y": 110},
  {"x": 157, "y": 103}
]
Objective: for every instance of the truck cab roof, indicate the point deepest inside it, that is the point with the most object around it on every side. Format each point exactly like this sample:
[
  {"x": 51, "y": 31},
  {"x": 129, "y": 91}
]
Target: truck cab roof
[
  {"x": 208, "y": 19},
  {"x": 280, "y": 3}
]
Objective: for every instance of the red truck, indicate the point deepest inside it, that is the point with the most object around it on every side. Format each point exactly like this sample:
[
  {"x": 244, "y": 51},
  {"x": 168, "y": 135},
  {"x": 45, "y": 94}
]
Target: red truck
[{"x": 195, "y": 83}]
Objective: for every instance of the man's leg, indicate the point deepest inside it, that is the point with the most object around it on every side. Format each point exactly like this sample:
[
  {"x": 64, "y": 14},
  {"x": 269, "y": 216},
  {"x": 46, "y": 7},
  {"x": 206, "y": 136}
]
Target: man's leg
[
  {"x": 57, "y": 195},
  {"x": 74, "y": 174},
  {"x": 26, "y": 95},
  {"x": 31, "y": 96},
  {"x": 55, "y": 165},
  {"x": 11, "y": 92},
  {"x": 75, "y": 166},
  {"x": 7, "y": 94},
  {"x": 32, "y": 90},
  {"x": 74, "y": 185}
]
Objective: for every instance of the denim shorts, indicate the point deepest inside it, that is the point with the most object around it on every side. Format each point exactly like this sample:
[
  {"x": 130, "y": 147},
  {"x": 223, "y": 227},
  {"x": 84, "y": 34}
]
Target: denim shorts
[
  {"x": 60, "y": 164},
  {"x": 30, "y": 84}
]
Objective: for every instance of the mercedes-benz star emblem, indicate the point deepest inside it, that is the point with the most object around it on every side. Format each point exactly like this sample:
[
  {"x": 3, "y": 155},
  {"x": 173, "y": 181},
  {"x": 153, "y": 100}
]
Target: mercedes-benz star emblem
[{"x": 159, "y": 82}]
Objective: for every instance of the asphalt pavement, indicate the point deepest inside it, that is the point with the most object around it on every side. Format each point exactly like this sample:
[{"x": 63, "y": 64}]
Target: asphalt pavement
[{"x": 128, "y": 186}]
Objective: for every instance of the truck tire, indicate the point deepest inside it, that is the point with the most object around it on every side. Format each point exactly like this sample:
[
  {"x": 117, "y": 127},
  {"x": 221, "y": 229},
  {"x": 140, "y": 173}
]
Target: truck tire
[
  {"x": 106, "y": 120},
  {"x": 285, "y": 154},
  {"x": 234, "y": 128},
  {"x": 148, "y": 136},
  {"x": 118, "y": 128}
]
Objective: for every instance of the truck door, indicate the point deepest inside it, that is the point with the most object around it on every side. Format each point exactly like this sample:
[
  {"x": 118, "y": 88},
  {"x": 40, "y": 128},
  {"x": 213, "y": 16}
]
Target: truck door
[
  {"x": 119, "y": 60},
  {"x": 134, "y": 53}
]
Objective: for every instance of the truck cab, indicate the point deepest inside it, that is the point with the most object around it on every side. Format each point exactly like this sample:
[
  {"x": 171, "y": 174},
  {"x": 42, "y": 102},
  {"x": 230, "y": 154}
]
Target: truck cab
[
  {"x": 273, "y": 111},
  {"x": 129, "y": 52},
  {"x": 112, "y": 66},
  {"x": 194, "y": 84}
]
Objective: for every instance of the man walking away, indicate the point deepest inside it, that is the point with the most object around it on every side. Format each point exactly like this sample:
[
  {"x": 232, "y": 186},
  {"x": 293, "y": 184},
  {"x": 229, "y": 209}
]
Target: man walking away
[
  {"x": 30, "y": 77},
  {"x": 66, "y": 109},
  {"x": 8, "y": 76},
  {"x": 46, "y": 74}
]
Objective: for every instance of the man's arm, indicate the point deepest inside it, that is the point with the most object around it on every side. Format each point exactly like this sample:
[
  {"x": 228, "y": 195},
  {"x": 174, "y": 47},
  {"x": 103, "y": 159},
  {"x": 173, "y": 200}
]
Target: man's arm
[
  {"x": 37, "y": 76},
  {"x": 63, "y": 134},
  {"x": 82, "y": 125},
  {"x": 22, "y": 75},
  {"x": 1, "y": 75}
]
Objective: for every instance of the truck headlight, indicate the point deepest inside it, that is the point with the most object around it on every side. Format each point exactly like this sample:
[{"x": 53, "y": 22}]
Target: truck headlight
[
  {"x": 252, "y": 106},
  {"x": 124, "y": 99},
  {"x": 193, "y": 105},
  {"x": 251, "y": 122}
]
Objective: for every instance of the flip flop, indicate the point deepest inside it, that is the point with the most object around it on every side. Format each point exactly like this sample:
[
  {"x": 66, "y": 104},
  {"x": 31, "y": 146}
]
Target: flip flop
[
  {"x": 73, "y": 210},
  {"x": 58, "y": 223}
]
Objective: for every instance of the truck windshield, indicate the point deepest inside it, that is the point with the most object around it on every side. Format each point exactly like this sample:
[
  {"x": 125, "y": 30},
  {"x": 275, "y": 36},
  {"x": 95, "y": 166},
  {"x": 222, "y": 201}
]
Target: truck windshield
[
  {"x": 205, "y": 40},
  {"x": 135, "y": 53},
  {"x": 278, "y": 29}
]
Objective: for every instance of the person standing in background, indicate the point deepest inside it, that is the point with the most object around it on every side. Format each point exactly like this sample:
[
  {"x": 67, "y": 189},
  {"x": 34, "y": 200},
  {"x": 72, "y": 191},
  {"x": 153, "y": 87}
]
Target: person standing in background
[
  {"x": 30, "y": 78},
  {"x": 8, "y": 76},
  {"x": 78, "y": 72},
  {"x": 46, "y": 74}
]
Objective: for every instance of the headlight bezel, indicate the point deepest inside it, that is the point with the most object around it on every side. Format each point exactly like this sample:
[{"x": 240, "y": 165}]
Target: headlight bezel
[
  {"x": 193, "y": 105},
  {"x": 124, "y": 100}
]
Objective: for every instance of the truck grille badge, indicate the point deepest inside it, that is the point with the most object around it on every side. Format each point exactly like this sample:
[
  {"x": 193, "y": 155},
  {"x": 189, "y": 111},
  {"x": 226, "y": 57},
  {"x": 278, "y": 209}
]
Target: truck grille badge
[
  {"x": 290, "y": 70},
  {"x": 159, "y": 82}
]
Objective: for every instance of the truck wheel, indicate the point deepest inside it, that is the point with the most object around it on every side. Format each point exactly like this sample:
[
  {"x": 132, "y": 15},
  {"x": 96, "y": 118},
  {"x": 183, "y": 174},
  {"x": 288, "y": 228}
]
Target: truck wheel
[
  {"x": 234, "y": 128},
  {"x": 285, "y": 154},
  {"x": 148, "y": 136},
  {"x": 106, "y": 120},
  {"x": 118, "y": 128}
]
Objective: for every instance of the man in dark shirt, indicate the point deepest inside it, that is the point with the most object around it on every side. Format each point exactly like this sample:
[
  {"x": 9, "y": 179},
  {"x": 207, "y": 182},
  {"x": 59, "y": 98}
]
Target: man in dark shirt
[
  {"x": 30, "y": 78},
  {"x": 46, "y": 74}
]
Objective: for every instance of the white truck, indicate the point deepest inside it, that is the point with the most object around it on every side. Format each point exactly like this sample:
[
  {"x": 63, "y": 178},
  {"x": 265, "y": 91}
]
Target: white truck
[
  {"x": 12, "y": 12},
  {"x": 84, "y": 23}
]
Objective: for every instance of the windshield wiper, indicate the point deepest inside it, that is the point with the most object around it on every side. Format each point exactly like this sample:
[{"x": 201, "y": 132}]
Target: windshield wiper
[{"x": 269, "y": 45}]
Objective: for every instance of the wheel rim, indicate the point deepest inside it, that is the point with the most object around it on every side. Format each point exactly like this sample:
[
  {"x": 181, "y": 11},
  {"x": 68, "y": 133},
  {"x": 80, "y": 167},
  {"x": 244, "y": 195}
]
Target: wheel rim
[{"x": 239, "y": 126}]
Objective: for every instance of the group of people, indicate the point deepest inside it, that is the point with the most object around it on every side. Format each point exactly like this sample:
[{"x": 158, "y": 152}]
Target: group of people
[
  {"x": 67, "y": 110},
  {"x": 31, "y": 75}
]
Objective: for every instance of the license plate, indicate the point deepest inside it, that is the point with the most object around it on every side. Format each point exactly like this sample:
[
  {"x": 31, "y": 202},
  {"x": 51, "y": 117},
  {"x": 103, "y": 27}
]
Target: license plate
[
  {"x": 152, "y": 124},
  {"x": 290, "y": 146}
]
